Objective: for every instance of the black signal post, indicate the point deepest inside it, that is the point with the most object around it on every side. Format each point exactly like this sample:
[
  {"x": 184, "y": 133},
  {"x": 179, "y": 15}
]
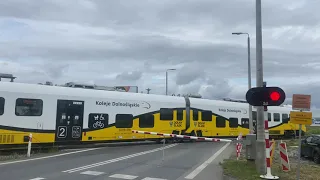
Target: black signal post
[{"x": 265, "y": 96}]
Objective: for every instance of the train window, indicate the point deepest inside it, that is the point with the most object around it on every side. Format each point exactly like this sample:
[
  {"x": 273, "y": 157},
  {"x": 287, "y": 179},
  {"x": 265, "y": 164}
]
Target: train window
[
  {"x": 276, "y": 117},
  {"x": 269, "y": 116},
  {"x": 233, "y": 122},
  {"x": 195, "y": 115},
  {"x": 2, "y": 102},
  {"x": 220, "y": 122},
  {"x": 206, "y": 115},
  {"x": 166, "y": 114},
  {"x": 98, "y": 120},
  {"x": 146, "y": 121},
  {"x": 285, "y": 118},
  {"x": 180, "y": 114},
  {"x": 124, "y": 120},
  {"x": 29, "y": 107},
  {"x": 245, "y": 122},
  {"x": 254, "y": 115}
]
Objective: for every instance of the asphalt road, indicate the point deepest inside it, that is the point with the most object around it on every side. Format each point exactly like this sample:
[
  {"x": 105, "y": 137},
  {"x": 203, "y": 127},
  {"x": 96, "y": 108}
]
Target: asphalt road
[{"x": 148, "y": 162}]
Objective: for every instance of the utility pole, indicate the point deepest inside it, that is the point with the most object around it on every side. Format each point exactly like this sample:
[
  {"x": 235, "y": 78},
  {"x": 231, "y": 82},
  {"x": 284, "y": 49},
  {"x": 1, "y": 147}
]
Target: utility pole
[
  {"x": 249, "y": 79},
  {"x": 249, "y": 87},
  {"x": 260, "y": 143},
  {"x": 148, "y": 90}
]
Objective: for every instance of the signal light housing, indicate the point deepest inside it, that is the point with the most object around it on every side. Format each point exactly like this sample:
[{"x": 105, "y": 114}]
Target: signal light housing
[{"x": 265, "y": 96}]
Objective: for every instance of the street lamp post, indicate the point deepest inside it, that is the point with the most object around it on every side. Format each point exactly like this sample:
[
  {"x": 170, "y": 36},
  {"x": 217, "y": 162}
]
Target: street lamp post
[
  {"x": 249, "y": 78},
  {"x": 167, "y": 79}
]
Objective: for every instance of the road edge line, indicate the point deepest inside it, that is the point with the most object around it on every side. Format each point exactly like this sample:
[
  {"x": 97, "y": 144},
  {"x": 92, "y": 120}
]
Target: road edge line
[
  {"x": 51, "y": 156},
  {"x": 195, "y": 172}
]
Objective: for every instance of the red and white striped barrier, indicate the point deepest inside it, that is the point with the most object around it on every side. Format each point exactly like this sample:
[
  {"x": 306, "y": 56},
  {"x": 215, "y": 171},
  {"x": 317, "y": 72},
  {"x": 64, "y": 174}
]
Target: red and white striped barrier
[
  {"x": 272, "y": 145},
  {"x": 239, "y": 146},
  {"x": 266, "y": 131},
  {"x": 285, "y": 165},
  {"x": 183, "y": 136}
]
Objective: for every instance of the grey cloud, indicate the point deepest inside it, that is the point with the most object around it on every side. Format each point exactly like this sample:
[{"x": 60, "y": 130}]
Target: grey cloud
[
  {"x": 189, "y": 73},
  {"x": 153, "y": 36},
  {"x": 160, "y": 50},
  {"x": 217, "y": 89},
  {"x": 211, "y": 88},
  {"x": 55, "y": 71},
  {"x": 290, "y": 89},
  {"x": 129, "y": 76},
  {"x": 307, "y": 88},
  {"x": 155, "y": 14},
  {"x": 191, "y": 88}
]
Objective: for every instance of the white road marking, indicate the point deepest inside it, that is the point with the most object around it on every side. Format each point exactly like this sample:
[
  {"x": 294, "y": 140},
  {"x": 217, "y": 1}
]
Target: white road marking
[
  {"x": 94, "y": 173},
  {"x": 123, "y": 176},
  {"x": 117, "y": 159},
  {"x": 206, "y": 163},
  {"x": 38, "y": 178},
  {"x": 46, "y": 157},
  {"x": 150, "y": 178}
]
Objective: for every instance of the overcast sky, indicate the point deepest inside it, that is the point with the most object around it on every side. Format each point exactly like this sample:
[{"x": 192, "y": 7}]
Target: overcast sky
[{"x": 121, "y": 42}]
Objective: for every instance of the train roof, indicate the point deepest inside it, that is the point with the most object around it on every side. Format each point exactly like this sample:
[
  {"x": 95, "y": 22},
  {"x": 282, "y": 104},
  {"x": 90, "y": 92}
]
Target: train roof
[
  {"x": 231, "y": 104},
  {"x": 82, "y": 92}
]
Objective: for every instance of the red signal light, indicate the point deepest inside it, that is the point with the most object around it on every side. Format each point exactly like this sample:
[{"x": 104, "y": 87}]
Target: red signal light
[
  {"x": 275, "y": 96},
  {"x": 265, "y": 96}
]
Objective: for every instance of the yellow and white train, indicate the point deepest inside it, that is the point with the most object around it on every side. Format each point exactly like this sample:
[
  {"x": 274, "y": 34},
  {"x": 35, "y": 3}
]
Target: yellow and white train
[{"x": 55, "y": 114}]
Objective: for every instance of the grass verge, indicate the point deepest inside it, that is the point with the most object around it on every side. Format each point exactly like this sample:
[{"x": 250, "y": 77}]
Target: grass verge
[
  {"x": 246, "y": 170},
  {"x": 241, "y": 169},
  {"x": 19, "y": 155},
  {"x": 313, "y": 130}
]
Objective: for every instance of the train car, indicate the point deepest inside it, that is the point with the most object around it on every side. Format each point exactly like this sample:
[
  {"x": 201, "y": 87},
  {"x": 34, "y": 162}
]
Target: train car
[
  {"x": 215, "y": 118},
  {"x": 64, "y": 115},
  {"x": 56, "y": 114}
]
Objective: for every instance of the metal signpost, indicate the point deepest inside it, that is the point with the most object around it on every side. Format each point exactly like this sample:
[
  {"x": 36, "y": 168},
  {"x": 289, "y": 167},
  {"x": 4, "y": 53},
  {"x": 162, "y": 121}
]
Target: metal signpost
[
  {"x": 260, "y": 142},
  {"x": 302, "y": 103}
]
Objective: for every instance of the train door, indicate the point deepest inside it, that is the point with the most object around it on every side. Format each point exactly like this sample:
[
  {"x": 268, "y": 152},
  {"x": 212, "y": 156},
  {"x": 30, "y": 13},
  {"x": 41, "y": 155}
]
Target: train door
[{"x": 69, "y": 120}]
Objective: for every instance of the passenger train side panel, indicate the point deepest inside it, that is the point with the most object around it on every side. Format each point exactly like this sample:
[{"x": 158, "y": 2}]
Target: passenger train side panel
[
  {"x": 217, "y": 119},
  {"x": 123, "y": 116},
  {"x": 24, "y": 113}
]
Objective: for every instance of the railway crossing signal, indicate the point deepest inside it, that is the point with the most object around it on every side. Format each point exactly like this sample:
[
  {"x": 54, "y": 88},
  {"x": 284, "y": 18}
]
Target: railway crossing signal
[{"x": 265, "y": 96}]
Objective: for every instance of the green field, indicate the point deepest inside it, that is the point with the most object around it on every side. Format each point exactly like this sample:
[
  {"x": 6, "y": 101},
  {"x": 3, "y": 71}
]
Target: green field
[{"x": 313, "y": 130}]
